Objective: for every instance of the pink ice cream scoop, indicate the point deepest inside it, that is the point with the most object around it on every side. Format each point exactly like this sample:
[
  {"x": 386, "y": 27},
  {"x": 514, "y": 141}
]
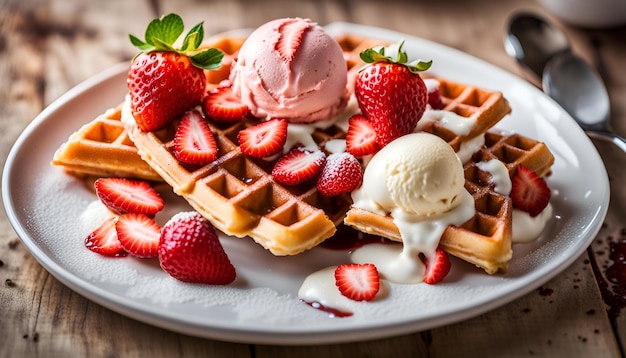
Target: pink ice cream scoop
[{"x": 291, "y": 68}]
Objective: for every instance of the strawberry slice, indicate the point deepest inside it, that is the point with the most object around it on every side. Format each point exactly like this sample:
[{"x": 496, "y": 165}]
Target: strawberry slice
[
  {"x": 103, "y": 240},
  {"x": 298, "y": 166},
  {"x": 361, "y": 136},
  {"x": 434, "y": 94},
  {"x": 358, "y": 282},
  {"x": 194, "y": 142},
  {"x": 529, "y": 191},
  {"x": 122, "y": 195},
  {"x": 222, "y": 105},
  {"x": 437, "y": 267},
  {"x": 138, "y": 234},
  {"x": 342, "y": 173},
  {"x": 264, "y": 139}
]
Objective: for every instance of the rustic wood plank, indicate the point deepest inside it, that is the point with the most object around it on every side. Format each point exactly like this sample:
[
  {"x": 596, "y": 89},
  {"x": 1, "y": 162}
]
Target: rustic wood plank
[{"x": 565, "y": 317}]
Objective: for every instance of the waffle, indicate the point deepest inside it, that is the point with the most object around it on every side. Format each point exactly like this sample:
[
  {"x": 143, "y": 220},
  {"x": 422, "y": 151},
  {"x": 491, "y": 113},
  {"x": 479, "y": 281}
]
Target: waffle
[
  {"x": 237, "y": 193},
  {"x": 102, "y": 148},
  {"x": 485, "y": 239}
]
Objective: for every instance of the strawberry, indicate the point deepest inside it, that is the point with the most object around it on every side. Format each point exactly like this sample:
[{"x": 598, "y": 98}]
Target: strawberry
[
  {"x": 390, "y": 93},
  {"x": 298, "y": 166},
  {"x": 358, "y": 282},
  {"x": 138, "y": 234},
  {"x": 434, "y": 94},
  {"x": 194, "y": 142},
  {"x": 122, "y": 195},
  {"x": 190, "y": 251},
  {"x": 103, "y": 240},
  {"x": 222, "y": 105},
  {"x": 437, "y": 267},
  {"x": 529, "y": 192},
  {"x": 264, "y": 139},
  {"x": 164, "y": 82},
  {"x": 342, "y": 173},
  {"x": 360, "y": 137}
]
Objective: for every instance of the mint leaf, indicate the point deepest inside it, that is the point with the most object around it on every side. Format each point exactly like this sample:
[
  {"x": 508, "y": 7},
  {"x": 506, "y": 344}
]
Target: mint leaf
[{"x": 208, "y": 59}]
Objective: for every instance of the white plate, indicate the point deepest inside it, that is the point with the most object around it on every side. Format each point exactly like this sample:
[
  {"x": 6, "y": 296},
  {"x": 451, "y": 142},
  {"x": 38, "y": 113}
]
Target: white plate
[{"x": 45, "y": 207}]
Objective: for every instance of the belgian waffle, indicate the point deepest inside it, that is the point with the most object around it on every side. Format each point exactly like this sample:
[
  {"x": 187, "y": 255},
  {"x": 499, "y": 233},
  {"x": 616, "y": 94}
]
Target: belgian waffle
[
  {"x": 485, "y": 239},
  {"x": 238, "y": 193}
]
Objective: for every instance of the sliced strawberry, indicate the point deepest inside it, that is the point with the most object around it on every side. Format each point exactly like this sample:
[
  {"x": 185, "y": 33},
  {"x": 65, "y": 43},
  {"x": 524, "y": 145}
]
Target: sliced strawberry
[
  {"x": 123, "y": 195},
  {"x": 434, "y": 95},
  {"x": 358, "y": 282},
  {"x": 361, "y": 136},
  {"x": 222, "y": 105},
  {"x": 529, "y": 191},
  {"x": 190, "y": 251},
  {"x": 298, "y": 166},
  {"x": 103, "y": 240},
  {"x": 264, "y": 139},
  {"x": 291, "y": 33},
  {"x": 138, "y": 234},
  {"x": 342, "y": 173},
  {"x": 437, "y": 267},
  {"x": 194, "y": 142}
]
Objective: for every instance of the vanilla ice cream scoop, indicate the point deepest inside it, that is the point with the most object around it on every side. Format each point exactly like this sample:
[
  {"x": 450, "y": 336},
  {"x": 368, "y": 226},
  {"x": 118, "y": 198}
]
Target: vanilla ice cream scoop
[
  {"x": 291, "y": 68},
  {"x": 418, "y": 173}
]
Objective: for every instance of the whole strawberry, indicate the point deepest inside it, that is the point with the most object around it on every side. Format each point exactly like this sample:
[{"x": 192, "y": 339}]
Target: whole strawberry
[
  {"x": 190, "y": 251},
  {"x": 163, "y": 81},
  {"x": 390, "y": 92}
]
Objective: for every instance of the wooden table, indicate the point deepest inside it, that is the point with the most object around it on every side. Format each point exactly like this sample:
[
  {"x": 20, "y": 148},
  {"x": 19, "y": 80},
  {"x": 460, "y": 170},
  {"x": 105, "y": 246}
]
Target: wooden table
[{"x": 47, "y": 47}]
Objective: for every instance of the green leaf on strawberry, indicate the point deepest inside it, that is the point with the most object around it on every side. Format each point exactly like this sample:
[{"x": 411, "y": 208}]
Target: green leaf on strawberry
[
  {"x": 377, "y": 54},
  {"x": 163, "y": 32}
]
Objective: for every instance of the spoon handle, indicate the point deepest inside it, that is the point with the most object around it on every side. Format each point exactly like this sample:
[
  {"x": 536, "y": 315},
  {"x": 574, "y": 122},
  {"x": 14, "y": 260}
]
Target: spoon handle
[{"x": 609, "y": 136}]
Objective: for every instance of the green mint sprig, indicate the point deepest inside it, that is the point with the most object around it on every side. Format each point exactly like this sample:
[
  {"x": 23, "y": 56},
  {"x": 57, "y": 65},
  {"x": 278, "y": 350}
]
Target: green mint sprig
[
  {"x": 163, "y": 32},
  {"x": 377, "y": 54}
]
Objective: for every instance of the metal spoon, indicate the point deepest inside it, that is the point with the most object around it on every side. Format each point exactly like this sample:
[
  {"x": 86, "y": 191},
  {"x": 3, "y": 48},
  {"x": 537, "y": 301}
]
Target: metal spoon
[{"x": 568, "y": 79}]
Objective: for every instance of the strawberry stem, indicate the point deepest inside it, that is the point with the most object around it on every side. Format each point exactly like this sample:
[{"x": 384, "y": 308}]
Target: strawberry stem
[
  {"x": 377, "y": 54},
  {"x": 163, "y": 32}
]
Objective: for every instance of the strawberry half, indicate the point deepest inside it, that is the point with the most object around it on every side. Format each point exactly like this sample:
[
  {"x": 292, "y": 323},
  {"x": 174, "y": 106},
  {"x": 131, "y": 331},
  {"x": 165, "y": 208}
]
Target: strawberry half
[
  {"x": 298, "y": 166},
  {"x": 341, "y": 174},
  {"x": 190, "y": 251},
  {"x": 390, "y": 93},
  {"x": 264, "y": 139},
  {"x": 437, "y": 267},
  {"x": 164, "y": 82},
  {"x": 138, "y": 234},
  {"x": 358, "y": 282},
  {"x": 529, "y": 191},
  {"x": 103, "y": 240},
  {"x": 222, "y": 105},
  {"x": 122, "y": 195},
  {"x": 434, "y": 94},
  {"x": 194, "y": 142},
  {"x": 360, "y": 137}
]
